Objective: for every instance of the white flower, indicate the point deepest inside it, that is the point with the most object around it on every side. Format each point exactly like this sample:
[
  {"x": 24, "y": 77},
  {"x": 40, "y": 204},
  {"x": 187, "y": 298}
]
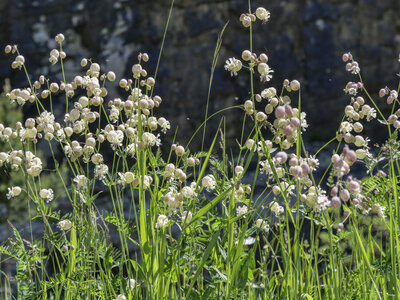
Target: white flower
[
  {"x": 239, "y": 170},
  {"x": 64, "y": 225},
  {"x": 162, "y": 222},
  {"x": 131, "y": 149},
  {"x": 81, "y": 181},
  {"x": 208, "y": 182},
  {"x": 262, "y": 14},
  {"x": 164, "y": 125},
  {"x": 3, "y": 158},
  {"x": 61, "y": 134},
  {"x": 13, "y": 192},
  {"x": 136, "y": 93},
  {"x": 189, "y": 192},
  {"x": 128, "y": 178},
  {"x": 46, "y": 194},
  {"x": 346, "y": 127},
  {"x": 187, "y": 216},
  {"x": 114, "y": 114},
  {"x": 268, "y": 93},
  {"x": 263, "y": 225},
  {"x": 361, "y": 153},
  {"x": 241, "y": 210},
  {"x": 131, "y": 283},
  {"x": 120, "y": 297},
  {"x": 101, "y": 171},
  {"x": 146, "y": 181},
  {"x": 53, "y": 60},
  {"x": 115, "y": 137},
  {"x": 233, "y": 65},
  {"x": 46, "y": 118},
  {"x": 33, "y": 164},
  {"x": 276, "y": 209},
  {"x": 150, "y": 139},
  {"x": 265, "y": 72},
  {"x": 371, "y": 114},
  {"x": 136, "y": 70}
]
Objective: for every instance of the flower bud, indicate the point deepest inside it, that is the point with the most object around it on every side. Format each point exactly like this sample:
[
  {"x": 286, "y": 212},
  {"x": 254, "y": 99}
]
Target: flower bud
[
  {"x": 335, "y": 202},
  {"x": 179, "y": 151},
  {"x": 246, "y": 55},
  {"x": 111, "y": 76},
  {"x": 59, "y": 38},
  {"x": 344, "y": 195},
  {"x": 263, "y": 58},
  {"x": 246, "y": 21},
  {"x": 294, "y": 85}
]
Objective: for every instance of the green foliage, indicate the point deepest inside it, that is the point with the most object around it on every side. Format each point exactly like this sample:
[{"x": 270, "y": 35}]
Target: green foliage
[{"x": 187, "y": 225}]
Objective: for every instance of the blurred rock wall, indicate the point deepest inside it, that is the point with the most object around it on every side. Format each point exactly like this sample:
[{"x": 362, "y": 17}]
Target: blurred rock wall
[{"x": 304, "y": 40}]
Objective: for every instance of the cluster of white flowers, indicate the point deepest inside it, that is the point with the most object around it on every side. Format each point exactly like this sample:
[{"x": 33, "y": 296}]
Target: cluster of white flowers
[
  {"x": 262, "y": 224},
  {"x": 316, "y": 198},
  {"x": 81, "y": 182},
  {"x": 21, "y": 96},
  {"x": 114, "y": 137},
  {"x": 276, "y": 209},
  {"x": 46, "y": 194},
  {"x": 209, "y": 182},
  {"x": 101, "y": 170},
  {"x": 351, "y": 66},
  {"x": 173, "y": 200},
  {"x": 189, "y": 192},
  {"x": 261, "y": 13},
  {"x": 6, "y": 133},
  {"x": 241, "y": 210},
  {"x": 33, "y": 164},
  {"x": 162, "y": 222}
]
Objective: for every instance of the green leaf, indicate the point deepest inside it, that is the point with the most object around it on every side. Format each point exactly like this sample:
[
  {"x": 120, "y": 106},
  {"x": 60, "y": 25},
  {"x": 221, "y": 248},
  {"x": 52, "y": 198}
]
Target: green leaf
[{"x": 207, "y": 253}]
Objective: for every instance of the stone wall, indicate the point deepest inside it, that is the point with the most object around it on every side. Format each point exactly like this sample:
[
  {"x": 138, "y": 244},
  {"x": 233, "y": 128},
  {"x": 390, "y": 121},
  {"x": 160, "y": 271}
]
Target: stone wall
[{"x": 304, "y": 39}]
